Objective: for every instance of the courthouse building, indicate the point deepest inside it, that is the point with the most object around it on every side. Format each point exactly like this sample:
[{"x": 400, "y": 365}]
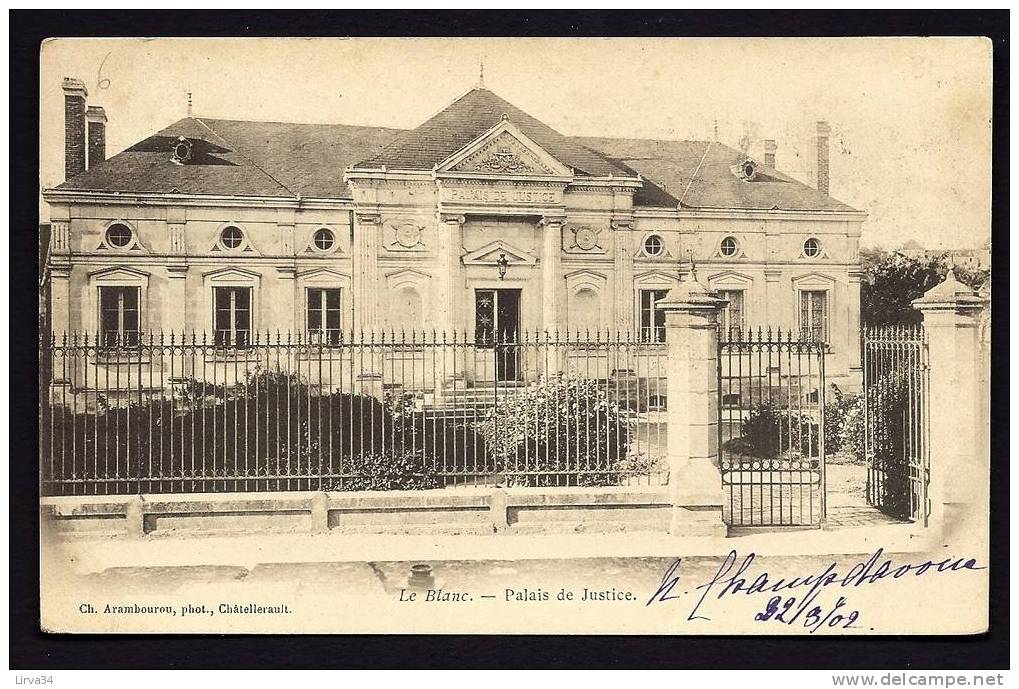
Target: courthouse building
[{"x": 481, "y": 220}]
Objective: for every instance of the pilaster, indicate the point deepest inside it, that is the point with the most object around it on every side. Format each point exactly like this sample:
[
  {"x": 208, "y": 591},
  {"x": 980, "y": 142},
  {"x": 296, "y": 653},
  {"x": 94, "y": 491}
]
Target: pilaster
[
  {"x": 367, "y": 228},
  {"x": 622, "y": 269}
]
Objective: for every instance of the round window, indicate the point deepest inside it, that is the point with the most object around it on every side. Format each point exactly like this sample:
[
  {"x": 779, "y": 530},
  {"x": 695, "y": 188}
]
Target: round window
[
  {"x": 812, "y": 247},
  {"x": 653, "y": 245},
  {"x": 118, "y": 235},
  {"x": 231, "y": 237},
  {"x": 729, "y": 246},
  {"x": 324, "y": 239}
]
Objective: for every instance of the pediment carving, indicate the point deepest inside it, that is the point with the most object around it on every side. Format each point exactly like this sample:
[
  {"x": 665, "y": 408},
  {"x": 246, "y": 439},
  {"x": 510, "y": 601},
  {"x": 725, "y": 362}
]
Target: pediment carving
[
  {"x": 505, "y": 155},
  {"x": 505, "y": 150},
  {"x": 490, "y": 253}
]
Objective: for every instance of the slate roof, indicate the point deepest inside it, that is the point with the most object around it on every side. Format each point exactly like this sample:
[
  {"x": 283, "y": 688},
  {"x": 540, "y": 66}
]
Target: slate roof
[
  {"x": 698, "y": 174},
  {"x": 243, "y": 158},
  {"x": 469, "y": 117}
]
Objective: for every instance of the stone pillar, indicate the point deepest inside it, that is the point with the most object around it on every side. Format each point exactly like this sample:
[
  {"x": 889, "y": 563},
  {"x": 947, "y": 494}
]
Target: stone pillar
[
  {"x": 853, "y": 329},
  {"x": 691, "y": 315},
  {"x": 366, "y": 269},
  {"x": 959, "y": 470}
]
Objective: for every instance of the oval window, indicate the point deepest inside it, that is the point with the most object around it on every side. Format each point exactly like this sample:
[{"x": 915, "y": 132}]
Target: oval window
[
  {"x": 231, "y": 237},
  {"x": 118, "y": 235},
  {"x": 653, "y": 245},
  {"x": 324, "y": 239},
  {"x": 812, "y": 248},
  {"x": 729, "y": 246}
]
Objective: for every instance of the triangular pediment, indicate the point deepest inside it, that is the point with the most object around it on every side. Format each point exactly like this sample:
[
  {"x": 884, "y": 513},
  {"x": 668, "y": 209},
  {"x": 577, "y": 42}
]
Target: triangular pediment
[
  {"x": 232, "y": 274},
  {"x": 504, "y": 150},
  {"x": 490, "y": 254},
  {"x": 118, "y": 273}
]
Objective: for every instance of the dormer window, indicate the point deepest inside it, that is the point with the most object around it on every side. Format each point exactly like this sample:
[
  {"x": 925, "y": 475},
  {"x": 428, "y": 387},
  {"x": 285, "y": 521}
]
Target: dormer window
[
  {"x": 746, "y": 170},
  {"x": 182, "y": 150}
]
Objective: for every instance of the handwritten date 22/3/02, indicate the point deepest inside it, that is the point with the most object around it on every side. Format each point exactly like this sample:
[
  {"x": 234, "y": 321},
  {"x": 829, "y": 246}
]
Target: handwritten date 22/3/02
[{"x": 787, "y": 612}]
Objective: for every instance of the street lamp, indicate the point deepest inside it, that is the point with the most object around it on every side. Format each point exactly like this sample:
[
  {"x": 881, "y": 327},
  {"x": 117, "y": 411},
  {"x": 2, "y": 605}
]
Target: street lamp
[{"x": 503, "y": 264}]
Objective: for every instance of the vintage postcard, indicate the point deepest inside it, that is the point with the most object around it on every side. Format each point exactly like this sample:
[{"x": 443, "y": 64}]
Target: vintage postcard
[{"x": 578, "y": 336}]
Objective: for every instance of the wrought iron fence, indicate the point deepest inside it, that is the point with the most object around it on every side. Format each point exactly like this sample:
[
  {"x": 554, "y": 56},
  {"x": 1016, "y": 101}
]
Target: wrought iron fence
[
  {"x": 771, "y": 428},
  {"x": 895, "y": 379},
  {"x": 166, "y": 413}
]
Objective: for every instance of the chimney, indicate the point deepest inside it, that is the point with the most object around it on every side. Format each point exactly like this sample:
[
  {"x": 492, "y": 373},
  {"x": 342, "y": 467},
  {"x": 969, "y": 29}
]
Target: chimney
[
  {"x": 823, "y": 130},
  {"x": 74, "y": 127},
  {"x": 769, "y": 152},
  {"x": 96, "y": 118}
]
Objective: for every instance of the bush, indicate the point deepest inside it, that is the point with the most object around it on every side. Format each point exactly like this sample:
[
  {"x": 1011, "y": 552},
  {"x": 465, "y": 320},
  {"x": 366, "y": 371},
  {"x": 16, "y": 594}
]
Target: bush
[
  {"x": 561, "y": 431},
  {"x": 844, "y": 426},
  {"x": 770, "y": 432},
  {"x": 387, "y": 471}
]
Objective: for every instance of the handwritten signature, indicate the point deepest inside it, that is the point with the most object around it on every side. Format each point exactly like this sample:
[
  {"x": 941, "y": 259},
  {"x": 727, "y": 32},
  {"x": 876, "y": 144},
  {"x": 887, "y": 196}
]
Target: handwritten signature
[{"x": 732, "y": 579}]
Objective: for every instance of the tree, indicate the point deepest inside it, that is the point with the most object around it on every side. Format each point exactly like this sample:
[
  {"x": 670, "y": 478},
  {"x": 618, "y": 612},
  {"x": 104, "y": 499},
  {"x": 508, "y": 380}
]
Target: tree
[{"x": 891, "y": 281}]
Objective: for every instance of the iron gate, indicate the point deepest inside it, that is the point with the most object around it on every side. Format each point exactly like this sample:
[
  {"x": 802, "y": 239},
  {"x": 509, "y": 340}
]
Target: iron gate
[
  {"x": 771, "y": 428},
  {"x": 896, "y": 421}
]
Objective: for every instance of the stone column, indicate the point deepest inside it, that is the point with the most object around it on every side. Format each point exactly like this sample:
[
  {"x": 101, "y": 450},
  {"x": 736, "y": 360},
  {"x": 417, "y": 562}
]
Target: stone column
[
  {"x": 366, "y": 268},
  {"x": 691, "y": 314},
  {"x": 551, "y": 273},
  {"x": 959, "y": 471}
]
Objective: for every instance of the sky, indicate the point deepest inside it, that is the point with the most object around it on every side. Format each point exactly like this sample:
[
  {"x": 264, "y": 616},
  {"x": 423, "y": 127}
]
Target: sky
[{"x": 910, "y": 117}]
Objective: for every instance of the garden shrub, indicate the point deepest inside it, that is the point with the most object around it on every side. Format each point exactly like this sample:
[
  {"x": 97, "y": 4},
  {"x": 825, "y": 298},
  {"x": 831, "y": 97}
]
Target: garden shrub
[
  {"x": 557, "y": 428},
  {"x": 387, "y": 471},
  {"x": 770, "y": 432},
  {"x": 844, "y": 426}
]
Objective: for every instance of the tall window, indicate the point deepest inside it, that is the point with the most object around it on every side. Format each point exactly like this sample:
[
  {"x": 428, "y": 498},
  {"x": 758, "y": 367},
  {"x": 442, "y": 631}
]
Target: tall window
[
  {"x": 652, "y": 320},
  {"x": 118, "y": 316},
  {"x": 324, "y": 314},
  {"x": 733, "y": 315},
  {"x": 232, "y": 316},
  {"x": 814, "y": 315}
]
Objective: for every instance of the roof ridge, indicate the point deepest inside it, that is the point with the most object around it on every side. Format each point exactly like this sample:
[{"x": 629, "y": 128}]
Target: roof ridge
[{"x": 247, "y": 157}]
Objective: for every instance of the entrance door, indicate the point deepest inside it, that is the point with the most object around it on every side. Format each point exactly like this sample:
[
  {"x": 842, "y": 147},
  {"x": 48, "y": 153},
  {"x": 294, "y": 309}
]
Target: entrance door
[{"x": 497, "y": 327}]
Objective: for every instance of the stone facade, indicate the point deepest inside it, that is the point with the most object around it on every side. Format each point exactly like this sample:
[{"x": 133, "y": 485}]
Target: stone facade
[{"x": 412, "y": 248}]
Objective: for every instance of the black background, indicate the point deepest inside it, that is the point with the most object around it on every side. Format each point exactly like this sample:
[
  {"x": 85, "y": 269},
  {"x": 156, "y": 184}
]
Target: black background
[{"x": 31, "y": 649}]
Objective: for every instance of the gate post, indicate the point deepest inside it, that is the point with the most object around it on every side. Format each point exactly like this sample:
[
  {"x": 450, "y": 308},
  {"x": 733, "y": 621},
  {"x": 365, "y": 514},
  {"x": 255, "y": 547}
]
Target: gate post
[
  {"x": 958, "y": 468},
  {"x": 691, "y": 337}
]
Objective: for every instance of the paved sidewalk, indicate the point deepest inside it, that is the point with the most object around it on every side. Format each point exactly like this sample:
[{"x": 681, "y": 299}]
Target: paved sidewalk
[{"x": 92, "y": 554}]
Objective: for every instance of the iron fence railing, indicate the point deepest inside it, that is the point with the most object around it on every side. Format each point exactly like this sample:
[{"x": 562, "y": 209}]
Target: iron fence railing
[
  {"x": 771, "y": 430},
  {"x": 164, "y": 413},
  {"x": 896, "y": 421}
]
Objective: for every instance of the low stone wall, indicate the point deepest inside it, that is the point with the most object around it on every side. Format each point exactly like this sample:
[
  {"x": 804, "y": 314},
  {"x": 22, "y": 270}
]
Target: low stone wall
[{"x": 460, "y": 510}]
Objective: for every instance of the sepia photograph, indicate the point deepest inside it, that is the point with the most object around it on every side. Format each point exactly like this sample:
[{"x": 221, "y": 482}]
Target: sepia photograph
[{"x": 628, "y": 336}]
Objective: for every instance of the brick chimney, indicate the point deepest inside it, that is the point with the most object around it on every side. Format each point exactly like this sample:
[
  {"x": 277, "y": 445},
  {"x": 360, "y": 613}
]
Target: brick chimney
[
  {"x": 770, "y": 147},
  {"x": 823, "y": 130},
  {"x": 74, "y": 127},
  {"x": 96, "y": 118}
]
